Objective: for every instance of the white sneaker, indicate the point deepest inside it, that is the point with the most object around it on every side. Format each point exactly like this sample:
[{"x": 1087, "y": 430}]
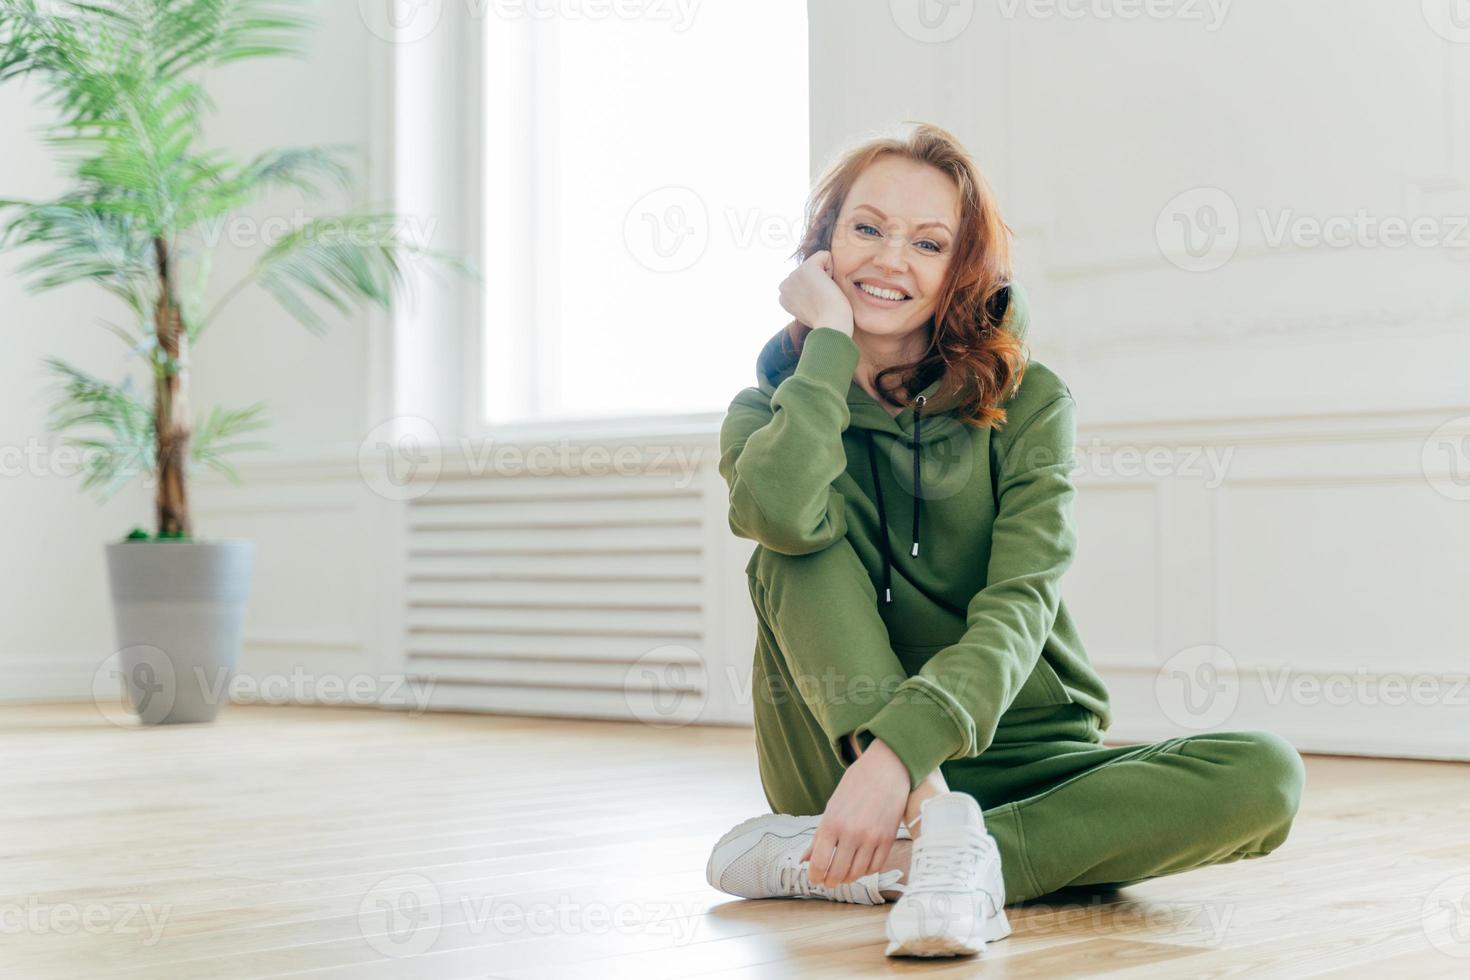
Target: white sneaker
[
  {"x": 760, "y": 858},
  {"x": 954, "y": 900}
]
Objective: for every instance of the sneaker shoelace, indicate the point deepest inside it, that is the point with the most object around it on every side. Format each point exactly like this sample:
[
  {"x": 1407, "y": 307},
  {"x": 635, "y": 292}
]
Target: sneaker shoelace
[
  {"x": 861, "y": 891},
  {"x": 945, "y": 863}
]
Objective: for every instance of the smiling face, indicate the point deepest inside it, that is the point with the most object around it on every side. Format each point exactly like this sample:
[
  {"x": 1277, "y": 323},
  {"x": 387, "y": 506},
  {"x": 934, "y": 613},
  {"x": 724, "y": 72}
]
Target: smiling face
[{"x": 895, "y": 236}]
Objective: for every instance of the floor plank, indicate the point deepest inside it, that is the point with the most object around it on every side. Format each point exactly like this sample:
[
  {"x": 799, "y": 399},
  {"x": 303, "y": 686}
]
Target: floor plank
[{"x": 357, "y": 843}]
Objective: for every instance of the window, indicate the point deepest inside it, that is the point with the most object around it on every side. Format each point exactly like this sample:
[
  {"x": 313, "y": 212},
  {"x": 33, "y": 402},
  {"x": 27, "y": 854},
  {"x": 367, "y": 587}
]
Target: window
[{"x": 644, "y": 184}]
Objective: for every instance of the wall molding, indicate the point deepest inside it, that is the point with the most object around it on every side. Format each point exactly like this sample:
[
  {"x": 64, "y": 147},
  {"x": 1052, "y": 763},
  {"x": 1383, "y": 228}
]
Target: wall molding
[{"x": 366, "y": 539}]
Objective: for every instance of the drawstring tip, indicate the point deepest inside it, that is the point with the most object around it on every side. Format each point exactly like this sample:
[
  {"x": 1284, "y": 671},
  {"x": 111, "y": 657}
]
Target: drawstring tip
[
  {"x": 887, "y": 595},
  {"x": 916, "y": 549}
]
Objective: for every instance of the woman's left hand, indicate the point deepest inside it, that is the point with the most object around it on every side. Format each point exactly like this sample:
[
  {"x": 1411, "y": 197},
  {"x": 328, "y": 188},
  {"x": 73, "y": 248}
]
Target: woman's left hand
[{"x": 861, "y": 820}]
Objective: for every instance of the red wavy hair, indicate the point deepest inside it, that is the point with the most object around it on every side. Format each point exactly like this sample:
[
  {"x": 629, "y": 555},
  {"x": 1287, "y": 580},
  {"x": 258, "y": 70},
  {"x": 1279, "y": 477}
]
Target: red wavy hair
[{"x": 980, "y": 364}]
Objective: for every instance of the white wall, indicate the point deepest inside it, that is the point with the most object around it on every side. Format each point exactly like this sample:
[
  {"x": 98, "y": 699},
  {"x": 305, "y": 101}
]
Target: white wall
[
  {"x": 1332, "y": 378},
  {"x": 52, "y": 580},
  {"x": 1089, "y": 127}
]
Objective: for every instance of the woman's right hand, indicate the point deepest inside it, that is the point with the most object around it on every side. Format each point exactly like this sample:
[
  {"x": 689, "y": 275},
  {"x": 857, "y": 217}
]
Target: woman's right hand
[
  {"x": 812, "y": 296},
  {"x": 860, "y": 822}
]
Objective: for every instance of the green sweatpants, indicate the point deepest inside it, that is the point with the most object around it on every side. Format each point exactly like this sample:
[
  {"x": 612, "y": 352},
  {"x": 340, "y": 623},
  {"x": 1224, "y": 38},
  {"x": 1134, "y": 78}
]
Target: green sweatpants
[{"x": 1064, "y": 809}]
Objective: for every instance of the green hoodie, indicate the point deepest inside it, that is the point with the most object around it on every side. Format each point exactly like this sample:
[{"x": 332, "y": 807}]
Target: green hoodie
[{"x": 971, "y": 597}]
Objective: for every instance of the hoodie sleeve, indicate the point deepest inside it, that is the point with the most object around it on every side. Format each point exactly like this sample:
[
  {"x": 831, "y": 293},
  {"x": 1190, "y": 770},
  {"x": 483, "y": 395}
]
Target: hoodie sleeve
[
  {"x": 780, "y": 456},
  {"x": 951, "y": 708}
]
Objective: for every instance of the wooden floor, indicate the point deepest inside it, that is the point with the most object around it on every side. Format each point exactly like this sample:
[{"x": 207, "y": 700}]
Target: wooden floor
[{"x": 363, "y": 844}]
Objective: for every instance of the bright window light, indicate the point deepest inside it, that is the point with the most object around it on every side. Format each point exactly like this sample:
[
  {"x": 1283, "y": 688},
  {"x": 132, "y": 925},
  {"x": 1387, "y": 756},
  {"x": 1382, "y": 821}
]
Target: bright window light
[{"x": 644, "y": 186}]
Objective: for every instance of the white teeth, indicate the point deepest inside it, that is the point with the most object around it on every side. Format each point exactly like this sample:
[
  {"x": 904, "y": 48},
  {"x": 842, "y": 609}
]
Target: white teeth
[{"x": 880, "y": 293}]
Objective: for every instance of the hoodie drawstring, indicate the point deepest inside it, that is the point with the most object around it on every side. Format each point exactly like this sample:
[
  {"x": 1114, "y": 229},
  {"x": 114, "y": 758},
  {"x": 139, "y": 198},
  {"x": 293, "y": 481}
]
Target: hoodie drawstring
[
  {"x": 878, "y": 496},
  {"x": 918, "y": 419}
]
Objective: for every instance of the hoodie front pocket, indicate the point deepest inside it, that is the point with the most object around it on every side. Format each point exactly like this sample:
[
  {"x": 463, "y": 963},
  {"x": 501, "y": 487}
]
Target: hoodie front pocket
[{"x": 1042, "y": 688}]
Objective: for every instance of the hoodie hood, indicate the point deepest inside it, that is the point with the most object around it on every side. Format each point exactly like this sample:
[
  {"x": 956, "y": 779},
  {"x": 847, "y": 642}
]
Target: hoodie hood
[{"x": 777, "y": 361}]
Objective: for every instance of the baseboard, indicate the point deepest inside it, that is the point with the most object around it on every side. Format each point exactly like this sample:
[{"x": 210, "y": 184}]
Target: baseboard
[{"x": 63, "y": 678}]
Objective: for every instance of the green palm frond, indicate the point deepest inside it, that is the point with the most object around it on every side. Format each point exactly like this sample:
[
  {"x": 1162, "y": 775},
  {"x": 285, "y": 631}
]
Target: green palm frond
[
  {"x": 125, "y": 446},
  {"x": 300, "y": 167},
  {"x": 125, "y": 81},
  {"x": 210, "y": 441},
  {"x": 120, "y": 73},
  {"x": 195, "y": 33},
  {"x": 156, "y": 37},
  {"x": 356, "y": 257},
  {"x": 82, "y": 241}
]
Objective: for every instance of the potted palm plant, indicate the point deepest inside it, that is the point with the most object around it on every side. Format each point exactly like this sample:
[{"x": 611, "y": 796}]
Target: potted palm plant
[{"x": 126, "y": 79}]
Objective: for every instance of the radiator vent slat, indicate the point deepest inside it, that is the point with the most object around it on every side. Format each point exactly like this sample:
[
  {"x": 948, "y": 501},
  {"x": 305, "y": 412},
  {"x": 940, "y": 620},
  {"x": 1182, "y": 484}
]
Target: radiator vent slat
[{"x": 564, "y": 595}]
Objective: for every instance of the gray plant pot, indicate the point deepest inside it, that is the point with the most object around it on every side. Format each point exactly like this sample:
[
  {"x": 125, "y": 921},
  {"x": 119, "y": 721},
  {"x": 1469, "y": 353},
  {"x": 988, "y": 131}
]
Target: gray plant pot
[{"x": 179, "y": 609}]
